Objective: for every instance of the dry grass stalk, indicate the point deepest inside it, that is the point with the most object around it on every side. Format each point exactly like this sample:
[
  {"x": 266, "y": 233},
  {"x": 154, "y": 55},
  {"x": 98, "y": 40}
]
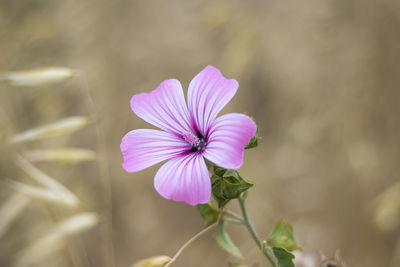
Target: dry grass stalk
[
  {"x": 41, "y": 193},
  {"x": 54, "y": 190},
  {"x": 10, "y": 209},
  {"x": 64, "y": 155},
  {"x": 54, "y": 239},
  {"x": 387, "y": 212},
  {"x": 61, "y": 127},
  {"x": 156, "y": 261},
  {"x": 38, "y": 76}
]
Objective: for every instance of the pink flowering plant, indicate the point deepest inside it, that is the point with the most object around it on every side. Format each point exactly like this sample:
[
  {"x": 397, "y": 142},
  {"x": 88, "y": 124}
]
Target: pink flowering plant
[{"x": 202, "y": 153}]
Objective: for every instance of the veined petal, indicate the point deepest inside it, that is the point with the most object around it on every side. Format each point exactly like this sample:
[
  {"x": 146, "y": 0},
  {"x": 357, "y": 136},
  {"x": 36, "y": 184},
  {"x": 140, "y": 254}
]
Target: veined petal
[
  {"x": 228, "y": 136},
  {"x": 208, "y": 93},
  {"x": 184, "y": 178},
  {"x": 164, "y": 107},
  {"x": 145, "y": 147}
]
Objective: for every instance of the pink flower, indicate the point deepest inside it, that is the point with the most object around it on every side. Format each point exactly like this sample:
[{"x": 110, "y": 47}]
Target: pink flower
[{"x": 190, "y": 134}]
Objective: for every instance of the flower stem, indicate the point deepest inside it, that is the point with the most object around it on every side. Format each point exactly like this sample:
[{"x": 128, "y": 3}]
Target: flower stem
[
  {"x": 252, "y": 231},
  {"x": 188, "y": 243},
  {"x": 232, "y": 220},
  {"x": 233, "y": 215}
]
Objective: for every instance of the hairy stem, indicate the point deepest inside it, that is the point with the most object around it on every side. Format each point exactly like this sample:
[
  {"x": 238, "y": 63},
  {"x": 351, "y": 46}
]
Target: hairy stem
[{"x": 253, "y": 232}]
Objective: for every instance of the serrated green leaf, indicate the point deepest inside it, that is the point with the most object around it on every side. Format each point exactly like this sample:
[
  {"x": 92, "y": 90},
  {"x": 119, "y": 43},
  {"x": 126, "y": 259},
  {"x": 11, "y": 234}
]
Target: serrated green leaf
[
  {"x": 283, "y": 257},
  {"x": 209, "y": 215},
  {"x": 253, "y": 141},
  {"x": 225, "y": 242},
  {"x": 227, "y": 185},
  {"x": 282, "y": 236}
]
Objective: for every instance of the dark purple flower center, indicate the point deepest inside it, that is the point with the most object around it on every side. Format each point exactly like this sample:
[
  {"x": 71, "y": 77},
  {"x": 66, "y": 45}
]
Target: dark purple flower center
[{"x": 198, "y": 142}]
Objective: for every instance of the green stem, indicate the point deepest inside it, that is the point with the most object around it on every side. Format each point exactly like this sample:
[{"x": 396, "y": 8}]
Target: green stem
[
  {"x": 232, "y": 220},
  {"x": 233, "y": 215},
  {"x": 253, "y": 232}
]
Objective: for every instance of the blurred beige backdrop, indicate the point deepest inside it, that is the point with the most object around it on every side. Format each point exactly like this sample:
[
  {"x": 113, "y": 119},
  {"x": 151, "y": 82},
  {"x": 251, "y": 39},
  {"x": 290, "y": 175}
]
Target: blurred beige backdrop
[{"x": 321, "y": 79}]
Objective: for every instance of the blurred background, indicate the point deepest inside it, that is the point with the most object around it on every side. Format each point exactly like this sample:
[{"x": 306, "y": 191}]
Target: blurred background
[{"x": 321, "y": 79}]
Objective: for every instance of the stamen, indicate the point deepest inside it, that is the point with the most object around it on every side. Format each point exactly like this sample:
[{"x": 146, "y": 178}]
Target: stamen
[{"x": 191, "y": 138}]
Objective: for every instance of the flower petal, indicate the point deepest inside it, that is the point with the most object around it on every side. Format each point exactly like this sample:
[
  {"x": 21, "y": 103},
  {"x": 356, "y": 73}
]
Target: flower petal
[
  {"x": 228, "y": 136},
  {"x": 185, "y": 179},
  {"x": 208, "y": 93},
  {"x": 164, "y": 107},
  {"x": 145, "y": 147}
]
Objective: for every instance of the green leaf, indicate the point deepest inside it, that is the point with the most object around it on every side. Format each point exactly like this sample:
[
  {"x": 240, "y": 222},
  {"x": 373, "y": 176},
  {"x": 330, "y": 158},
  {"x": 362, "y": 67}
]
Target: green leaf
[
  {"x": 209, "y": 215},
  {"x": 283, "y": 257},
  {"x": 253, "y": 141},
  {"x": 282, "y": 236},
  {"x": 227, "y": 185},
  {"x": 225, "y": 242},
  {"x": 219, "y": 171}
]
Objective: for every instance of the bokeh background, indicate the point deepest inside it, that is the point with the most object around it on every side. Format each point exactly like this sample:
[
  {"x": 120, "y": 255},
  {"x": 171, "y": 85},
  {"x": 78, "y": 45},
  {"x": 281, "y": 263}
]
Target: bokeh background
[{"x": 321, "y": 78}]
